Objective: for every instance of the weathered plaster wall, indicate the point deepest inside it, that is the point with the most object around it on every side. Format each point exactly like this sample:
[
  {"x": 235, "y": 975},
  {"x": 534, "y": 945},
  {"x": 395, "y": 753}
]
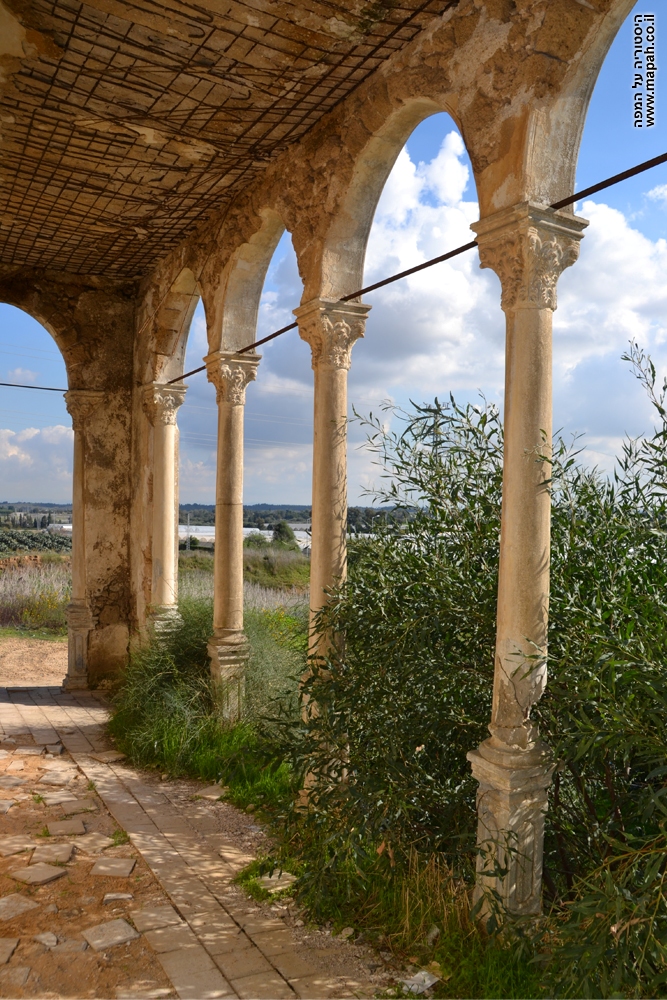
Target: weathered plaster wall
[{"x": 94, "y": 327}]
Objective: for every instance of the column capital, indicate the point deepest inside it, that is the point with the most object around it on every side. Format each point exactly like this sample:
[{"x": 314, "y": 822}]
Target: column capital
[
  {"x": 230, "y": 373},
  {"x": 80, "y": 404},
  {"x": 161, "y": 402},
  {"x": 529, "y": 246},
  {"x": 331, "y": 328}
]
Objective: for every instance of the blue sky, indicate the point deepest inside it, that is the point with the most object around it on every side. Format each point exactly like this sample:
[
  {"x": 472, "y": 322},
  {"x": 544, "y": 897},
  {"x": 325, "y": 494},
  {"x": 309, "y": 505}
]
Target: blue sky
[{"x": 440, "y": 331}]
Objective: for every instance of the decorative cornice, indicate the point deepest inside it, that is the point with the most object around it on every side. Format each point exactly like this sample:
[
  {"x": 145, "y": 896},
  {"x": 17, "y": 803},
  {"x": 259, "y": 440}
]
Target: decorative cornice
[
  {"x": 230, "y": 374},
  {"x": 331, "y": 328},
  {"x": 80, "y": 404},
  {"x": 161, "y": 402},
  {"x": 529, "y": 247}
]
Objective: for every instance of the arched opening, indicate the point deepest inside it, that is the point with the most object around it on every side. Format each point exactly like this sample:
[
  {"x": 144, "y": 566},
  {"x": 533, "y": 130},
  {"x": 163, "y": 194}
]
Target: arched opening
[
  {"x": 439, "y": 330},
  {"x": 36, "y": 441},
  {"x": 617, "y": 291}
]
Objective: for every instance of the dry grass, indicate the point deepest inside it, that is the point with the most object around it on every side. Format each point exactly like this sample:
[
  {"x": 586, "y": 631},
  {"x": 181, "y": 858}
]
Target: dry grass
[{"x": 35, "y": 596}]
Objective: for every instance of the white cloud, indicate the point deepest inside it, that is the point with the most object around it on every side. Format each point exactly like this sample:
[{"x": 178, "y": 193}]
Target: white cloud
[
  {"x": 36, "y": 464},
  {"x": 658, "y": 193},
  {"x": 22, "y": 375},
  {"x": 442, "y": 330}
]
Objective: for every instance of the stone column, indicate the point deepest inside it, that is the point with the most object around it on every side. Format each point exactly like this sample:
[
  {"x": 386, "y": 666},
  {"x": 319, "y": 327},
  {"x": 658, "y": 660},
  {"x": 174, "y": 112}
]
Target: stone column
[
  {"x": 161, "y": 403},
  {"x": 230, "y": 374},
  {"x": 528, "y": 247},
  {"x": 331, "y": 329},
  {"x": 80, "y": 621}
]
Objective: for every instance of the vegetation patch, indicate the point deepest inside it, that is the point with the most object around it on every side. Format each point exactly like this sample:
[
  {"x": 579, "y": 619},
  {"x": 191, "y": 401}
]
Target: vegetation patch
[{"x": 387, "y": 845}]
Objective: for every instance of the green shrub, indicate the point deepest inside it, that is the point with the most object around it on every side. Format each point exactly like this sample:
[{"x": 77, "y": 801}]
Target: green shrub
[{"x": 410, "y": 691}]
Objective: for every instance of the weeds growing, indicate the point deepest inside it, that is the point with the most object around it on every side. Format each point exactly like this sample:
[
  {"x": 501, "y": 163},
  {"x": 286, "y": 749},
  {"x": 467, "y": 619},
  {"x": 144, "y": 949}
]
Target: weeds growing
[{"x": 387, "y": 844}]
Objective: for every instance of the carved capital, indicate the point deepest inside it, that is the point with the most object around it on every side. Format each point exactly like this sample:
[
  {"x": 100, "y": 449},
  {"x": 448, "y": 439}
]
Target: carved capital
[
  {"x": 161, "y": 402},
  {"x": 230, "y": 374},
  {"x": 331, "y": 329},
  {"x": 80, "y": 404},
  {"x": 529, "y": 247}
]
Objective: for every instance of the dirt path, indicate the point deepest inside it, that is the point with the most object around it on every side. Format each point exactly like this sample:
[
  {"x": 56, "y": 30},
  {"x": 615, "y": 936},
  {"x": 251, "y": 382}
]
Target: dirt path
[{"x": 28, "y": 662}]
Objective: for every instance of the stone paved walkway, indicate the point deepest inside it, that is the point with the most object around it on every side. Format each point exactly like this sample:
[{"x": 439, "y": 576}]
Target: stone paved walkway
[{"x": 224, "y": 946}]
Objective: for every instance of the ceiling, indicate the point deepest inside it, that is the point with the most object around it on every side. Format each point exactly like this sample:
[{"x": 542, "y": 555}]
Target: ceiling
[{"x": 123, "y": 125}]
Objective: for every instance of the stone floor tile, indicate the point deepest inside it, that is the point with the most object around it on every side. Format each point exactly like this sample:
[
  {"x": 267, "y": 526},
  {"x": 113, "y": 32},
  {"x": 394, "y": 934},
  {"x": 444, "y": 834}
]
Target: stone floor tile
[
  {"x": 60, "y": 853},
  {"x": 93, "y": 843},
  {"x": 273, "y": 942},
  {"x": 48, "y": 939},
  {"x": 153, "y": 917},
  {"x": 212, "y": 793},
  {"x": 107, "y": 935},
  {"x": 66, "y": 828},
  {"x": 71, "y": 945},
  {"x": 57, "y": 798},
  {"x": 292, "y": 966},
  {"x": 72, "y": 806},
  {"x": 257, "y": 922},
  {"x": 57, "y": 778},
  {"x": 164, "y": 939},
  {"x": 185, "y": 961},
  {"x": 14, "y": 905},
  {"x": 15, "y": 977},
  {"x": 38, "y": 874},
  {"x": 263, "y": 987},
  {"x": 208, "y": 984},
  {"x": 10, "y": 781},
  {"x": 15, "y": 845},
  {"x": 240, "y": 964},
  {"x": 7, "y": 948},
  {"x": 116, "y": 897},
  {"x": 113, "y": 867}
]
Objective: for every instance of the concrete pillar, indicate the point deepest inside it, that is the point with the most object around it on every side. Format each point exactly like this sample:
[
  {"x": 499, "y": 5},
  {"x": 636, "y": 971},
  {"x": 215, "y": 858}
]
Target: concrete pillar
[
  {"x": 161, "y": 403},
  {"x": 528, "y": 247},
  {"x": 230, "y": 374},
  {"x": 331, "y": 329},
  {"x": 80, "y": 620}
]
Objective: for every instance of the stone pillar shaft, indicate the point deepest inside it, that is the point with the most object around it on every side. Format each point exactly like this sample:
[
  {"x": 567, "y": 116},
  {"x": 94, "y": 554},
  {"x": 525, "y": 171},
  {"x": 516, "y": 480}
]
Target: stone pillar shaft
[
  {"x": 161, "y": 403},
  {"x": 230, "y": 374},
  {"x": 528, "y": 247},
  {"x": 80, "y": 404},
  {"x": 331, "y": 329}
]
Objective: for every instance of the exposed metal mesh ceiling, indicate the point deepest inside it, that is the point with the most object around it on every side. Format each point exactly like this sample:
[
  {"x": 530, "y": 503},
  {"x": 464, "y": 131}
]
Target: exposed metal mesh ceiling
[{"x": 125, "y": 124}]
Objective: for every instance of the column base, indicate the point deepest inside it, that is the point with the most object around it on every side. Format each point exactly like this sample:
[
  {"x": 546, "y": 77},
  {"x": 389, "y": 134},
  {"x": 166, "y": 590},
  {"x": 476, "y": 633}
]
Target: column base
[
  {"x": 80, "y": 623},
  {"x": 511, "y": 805},
  {"x": 165, "y": 619},
  {"x": 229, "y": 660}
]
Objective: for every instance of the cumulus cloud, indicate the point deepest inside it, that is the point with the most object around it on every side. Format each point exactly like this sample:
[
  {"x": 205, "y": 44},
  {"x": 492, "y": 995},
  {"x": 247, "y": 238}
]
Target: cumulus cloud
[
  {"x": 658, "y": 193},
  {"x": 36, "y": 463},
  {"x": 442, "y": 330}
]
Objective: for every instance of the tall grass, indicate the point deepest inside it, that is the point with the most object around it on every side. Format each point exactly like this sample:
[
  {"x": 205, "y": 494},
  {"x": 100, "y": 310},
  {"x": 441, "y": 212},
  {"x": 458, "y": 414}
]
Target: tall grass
[
  {"x": 35, "y": 596},
  {"x": 165, "y": 713}
]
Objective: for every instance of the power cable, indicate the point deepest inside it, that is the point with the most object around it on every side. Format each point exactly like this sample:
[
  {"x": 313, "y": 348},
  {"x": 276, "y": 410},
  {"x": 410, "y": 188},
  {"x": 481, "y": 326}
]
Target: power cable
[
  {"x": 577, "y": 196},
  {"x": 632, "y": 172}
]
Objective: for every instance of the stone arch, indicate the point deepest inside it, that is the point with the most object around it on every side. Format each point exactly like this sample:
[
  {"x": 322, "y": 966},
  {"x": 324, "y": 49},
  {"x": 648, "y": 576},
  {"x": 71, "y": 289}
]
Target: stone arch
[
  {"x": 539, "y": 149},
  {"x": 231, "y": 312},
  {"x": 344, "y": 250},
  {"x": 171, "y": 326}
]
